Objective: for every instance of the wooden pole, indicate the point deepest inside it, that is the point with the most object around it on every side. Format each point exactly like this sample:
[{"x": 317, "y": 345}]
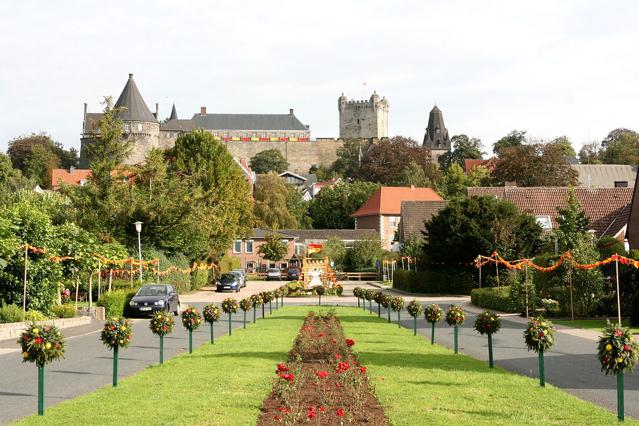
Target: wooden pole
[
  {"x": 618, "y": 295},
  {"x": 99, "y": 278},
  {"x": 497, "y": 272},
  {"x": 26, "y": 267},
  {"x": 131, "y": 273},
  {"x": 480, "y": 275},
  {"x": 572, "y": 307},
  {"x": 110, "y": 278},
  {"x": 526, "y": 287},
  {"x": 157, "y": 273},
  {"x": 77, "y": 289},
  {"x": 90, "y": 291}
]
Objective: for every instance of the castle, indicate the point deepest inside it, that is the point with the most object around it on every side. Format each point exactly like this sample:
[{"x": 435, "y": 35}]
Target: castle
[{"x": 248, "y": 134}]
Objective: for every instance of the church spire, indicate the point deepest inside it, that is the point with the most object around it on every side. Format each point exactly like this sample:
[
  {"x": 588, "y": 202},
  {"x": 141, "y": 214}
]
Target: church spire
[
  {"x": 436, "y": 137},
  {"x": 134, "y": 107},
  {"x": 174, "y": 115}
]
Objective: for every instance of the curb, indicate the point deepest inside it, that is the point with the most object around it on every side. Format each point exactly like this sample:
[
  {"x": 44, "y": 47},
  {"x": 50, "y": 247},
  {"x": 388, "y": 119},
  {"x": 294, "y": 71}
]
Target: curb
[{"x": 14, "y": 329}]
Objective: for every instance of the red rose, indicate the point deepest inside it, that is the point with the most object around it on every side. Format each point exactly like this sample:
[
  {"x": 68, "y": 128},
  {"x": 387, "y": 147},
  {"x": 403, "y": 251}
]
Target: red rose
[
  {"x": 320, "y": 335},
  {"x": 338, "y": 356},
  {"x": 626, "y": 348},
  {"x": 339, "y": 412},
  {"x": 311, "y": 412},
  {"x": 618, "y": 333},
  {"x": 362, "y": 369},
  {"x": 322, "y": 409},
  {"x": 322, "y": 374},
  {"x": 350, "y": 342},
  {"x": 38, "y": 340}
]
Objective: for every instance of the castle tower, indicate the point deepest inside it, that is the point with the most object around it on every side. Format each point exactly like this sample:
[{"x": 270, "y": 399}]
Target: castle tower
[
  {"x": 436, "y": 139},
  {"x": 363, "y": 119}
]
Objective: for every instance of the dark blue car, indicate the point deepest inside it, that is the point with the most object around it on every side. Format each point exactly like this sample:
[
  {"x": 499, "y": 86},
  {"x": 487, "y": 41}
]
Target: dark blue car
[
  {"x": 154, "y": 297},
  {"x": 229, "y": 281}
]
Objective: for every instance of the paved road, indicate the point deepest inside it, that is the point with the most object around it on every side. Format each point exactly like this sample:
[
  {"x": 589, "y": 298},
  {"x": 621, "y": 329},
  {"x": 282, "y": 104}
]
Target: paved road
[{"x": 571, "y": 364}]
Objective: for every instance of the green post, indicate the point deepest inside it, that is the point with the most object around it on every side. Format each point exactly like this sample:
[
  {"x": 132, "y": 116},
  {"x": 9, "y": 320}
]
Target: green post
[
  {"x": 620, "y": 410},
  {"x": 414, "y": 326},
  {"x": 379, "y": 310},
  {"x": 270, "y": 307},
  {"x": 370, "y": 306},
  {"x": 388, "y": 314},
  {"x": 254, "y": 313},
  {"x": 277, "y": 301},
  {"x": 263, "y": 310},
  {"x": 456, "y": 335},
  {"x": 115, "y": 366},
  {"x": 161, "y": 350},
  {"x": 542, "y": 378},
  {"x": 244, "y": 319},
  {"x": 229, "y": 323},
  {"x": 190, "y": 341},
  {"x": 432, "y": 333},
  {"x": 320, "y": 299},
  {"x": 490, "y": 350},
  {"x": 212, "y": 334},
  {"x": 282, "y": 305},
  {"x": 358, "y": 302},
  {"x": 41, "y": 391},
  {"x": 399, "y": 318}
]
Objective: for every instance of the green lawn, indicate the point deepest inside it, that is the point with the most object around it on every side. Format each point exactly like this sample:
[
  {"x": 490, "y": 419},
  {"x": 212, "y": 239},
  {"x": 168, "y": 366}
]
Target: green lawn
[
  {"x": 417, "y": 383},
  {"x": 594, "y": 324}
]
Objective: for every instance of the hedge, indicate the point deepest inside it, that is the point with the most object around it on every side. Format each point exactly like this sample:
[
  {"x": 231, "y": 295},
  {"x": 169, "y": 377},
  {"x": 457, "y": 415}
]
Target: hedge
[
  {"x": 497, "y": 298},
  {"x": 442, "y": 281},
  {"x": 199, "y": 278},
  {"x": 115, "y": 302}
]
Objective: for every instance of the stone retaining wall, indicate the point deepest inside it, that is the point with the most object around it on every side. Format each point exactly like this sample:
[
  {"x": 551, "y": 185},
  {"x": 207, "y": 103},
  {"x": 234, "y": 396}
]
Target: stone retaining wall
[{"x": 14, "y": 329}]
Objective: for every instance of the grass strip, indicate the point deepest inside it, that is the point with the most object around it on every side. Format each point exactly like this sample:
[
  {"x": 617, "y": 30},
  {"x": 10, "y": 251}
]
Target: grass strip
[
  {"x": 418, "y": 383},
  {"x": 223, "y": 384},
  {"x": 597, "y": 324}
]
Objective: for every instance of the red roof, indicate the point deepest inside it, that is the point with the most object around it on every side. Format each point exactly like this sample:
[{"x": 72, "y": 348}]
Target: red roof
[
  {"x": 67, "y": 177},
  {"x": 387, "y": 200}
]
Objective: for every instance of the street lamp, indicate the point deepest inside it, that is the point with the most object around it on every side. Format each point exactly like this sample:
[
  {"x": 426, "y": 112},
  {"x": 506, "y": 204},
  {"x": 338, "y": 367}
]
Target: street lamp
[{"x": 138, "y": 228}]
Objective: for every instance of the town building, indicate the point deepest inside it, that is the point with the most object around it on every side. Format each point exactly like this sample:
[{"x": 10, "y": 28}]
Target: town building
[
  {"x": 436, "y": 138},
  {"x": 606, "y": 175},
  {"x": 382, "y": 211}
]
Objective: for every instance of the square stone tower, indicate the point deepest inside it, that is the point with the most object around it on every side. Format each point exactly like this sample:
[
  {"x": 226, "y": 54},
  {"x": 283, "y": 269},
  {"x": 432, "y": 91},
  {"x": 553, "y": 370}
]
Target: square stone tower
[{"x": 363, "y": 119}]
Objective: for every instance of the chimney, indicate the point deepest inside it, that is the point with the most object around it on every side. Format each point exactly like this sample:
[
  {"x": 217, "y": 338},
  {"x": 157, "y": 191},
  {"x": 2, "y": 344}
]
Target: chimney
[
  {"x": 85, "y": 109},
  {"x": 412, "y": 187},
  {"x": 203, "y": 110},
  {"x": 290, "y": 112},
  {"x": 157, "y": 110}
]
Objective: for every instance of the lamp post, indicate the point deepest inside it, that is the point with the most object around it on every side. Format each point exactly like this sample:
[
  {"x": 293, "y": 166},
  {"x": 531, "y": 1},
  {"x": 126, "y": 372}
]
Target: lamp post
[{"x": 138, "y": 229}]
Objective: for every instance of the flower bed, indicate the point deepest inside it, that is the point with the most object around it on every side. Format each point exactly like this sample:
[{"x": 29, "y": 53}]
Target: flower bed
[{"x": 323, "y": 381}]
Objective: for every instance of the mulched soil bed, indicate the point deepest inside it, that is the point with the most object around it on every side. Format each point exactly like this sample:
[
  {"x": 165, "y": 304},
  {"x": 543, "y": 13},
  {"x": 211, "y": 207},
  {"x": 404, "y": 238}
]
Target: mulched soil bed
[{"x": 322, "y": 382}]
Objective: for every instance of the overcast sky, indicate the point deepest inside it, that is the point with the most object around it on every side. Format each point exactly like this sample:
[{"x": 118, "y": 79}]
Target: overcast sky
[{"x": 548, "y": 67}]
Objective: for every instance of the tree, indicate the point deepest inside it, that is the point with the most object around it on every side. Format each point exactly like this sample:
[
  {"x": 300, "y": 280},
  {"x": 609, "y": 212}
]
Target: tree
[
  {"x": 335, "y": 250},
  {"x": 413, "y": 246},
  {"x": 564, "y": 144},
  {"x": 454, "y": 182},
  {"x": 621, "y": 146},
  {"x": 414, "y": 175},
  {"x": 463, "y": 148},
  {"x": 471, "y": 226},
  {"x": 272, "y": 198},
  {"x": 273, "y": 248},
  {"x": 333, "y": 206},
  {"x": 366, "y": 252},
  {"x": 40, "y": 163},
  {"x": 589, "y": 153},
  {"x": 479, "y": 176},
  {"x": 349, "y": 157},
  {"x": 514, "y": 139},
  {"x": 573, "y": 222},
  {"x": 108, "y": 150},
  {"x": 267, "y": 161},
  {"x": 298, "y": 207},
  {"x": 11, "y": 179},
  {"x": 534, "y": 165}
]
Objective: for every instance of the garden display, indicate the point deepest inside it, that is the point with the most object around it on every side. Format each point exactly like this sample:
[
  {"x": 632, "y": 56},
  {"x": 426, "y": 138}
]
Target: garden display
[
  {"x": 117, "y": 333},
  {"x": 414, "y": 309},
  {"x": 433, "y": 314},
  {"x": 386, "y": 302},
  {"x": 161, "y": 324},
  {"x": 357, "y": 292},
  {"x": 211, "y": 315},
  {"x": 455, "y": 317},
  {"x": 539, "y": 336},
  {"x": 488, "y": 323},
  {"x": 320, "y": 290},
  {"x": 191, "y": 320}
]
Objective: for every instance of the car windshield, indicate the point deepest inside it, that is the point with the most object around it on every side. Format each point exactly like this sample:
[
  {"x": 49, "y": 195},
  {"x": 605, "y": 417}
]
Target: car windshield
[
  {"x": 274, "y": 270},
  {"x": 152, "y": 290},
  {"x": 293, "y": 270},
  {"x": 229, "y": 276}
]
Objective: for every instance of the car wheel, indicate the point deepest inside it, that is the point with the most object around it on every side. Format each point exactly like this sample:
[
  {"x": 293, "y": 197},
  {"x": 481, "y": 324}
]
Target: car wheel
[{"x": 177, "y": 311}]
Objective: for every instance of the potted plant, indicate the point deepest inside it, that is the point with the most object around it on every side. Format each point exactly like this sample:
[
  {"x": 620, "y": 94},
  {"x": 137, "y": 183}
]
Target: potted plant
[
  {"x": 414, "y": 309},
  {"x": 397, "y": 304},
  {"x": 246, "y": 305},
  {"x": 191, "y": 320},
  {"x": 256, "y": 299},
  {"x": 539, "y": 337},
  {"x": 488, "y": 323},
  {"x": 386, "y": 302},
  {"x": 230, "y": 306}
]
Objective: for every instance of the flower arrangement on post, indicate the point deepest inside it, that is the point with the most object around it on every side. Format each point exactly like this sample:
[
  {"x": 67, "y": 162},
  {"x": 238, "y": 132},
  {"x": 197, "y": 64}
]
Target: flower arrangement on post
[
  {"x": 455, "y": 317},
  {"x": 397, "y": 304},
  {"x": 539, "y": 337},
  {"x": 245, "y": 305},
  {"x": 211, "y": 315},
  {"x": 377, "y": 297},
  {"x": 357, "y": 292},
  {"x": 256, "y": 299},
  {"x": 414, "y": 309},
  {"x": 368, "y": 296},
  {"x": 161, "y": 324},
  {"x": 283, "y": 292},
  {"x": 433, "y": 314},
  {"x": 266, "y": 297},
  {"x": 230, "y": 306},
  {"x": 117, "y": 333},
  {"x": 191, "y": 320},
  {"x": 320, "y": 290},
  {"x": 618, "y": 352},
  {"x": 488, "y": 323},
  {"x": 41, "y": 345},
  {"x": 386, "y": 302}
]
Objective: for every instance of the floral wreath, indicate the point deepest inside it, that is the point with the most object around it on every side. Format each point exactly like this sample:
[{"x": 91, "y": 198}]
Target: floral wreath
[
  {"x": 455, "y": 316},
  {"x": 397, "y": 303},
  {"x": 191, "y": 319},
  {"x": 117, "y": 333},
  {"x": 161, "y": 323},
  {"x": 367, "y": 294},
  {"x": 487, "y": 323},
  {"x": 246, "y": 304},
  {"x": 617, "y": 350},
  {"x": 433, "y": 313},
  {"x": 41, "y": 344},
  {"x": 539, "y": 334},
  {"x": 414, "y": 308},
  {"x": 230, "y": 306}
]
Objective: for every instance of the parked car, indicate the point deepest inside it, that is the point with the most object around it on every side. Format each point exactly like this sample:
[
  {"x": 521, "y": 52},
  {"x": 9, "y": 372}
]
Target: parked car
[
  {"x": 242, "y": 275},
  {"x": 229, "y": 281},
  {"x": 293, "y": 274},
  {"x": 155, "y": 297},
  {"x": 273, "y": 274}
]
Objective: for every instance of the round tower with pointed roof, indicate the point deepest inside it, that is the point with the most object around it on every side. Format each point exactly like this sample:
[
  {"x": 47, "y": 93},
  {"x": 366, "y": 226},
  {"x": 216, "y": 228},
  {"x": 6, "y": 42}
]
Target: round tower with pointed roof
[{"x": 436, "y": 139}]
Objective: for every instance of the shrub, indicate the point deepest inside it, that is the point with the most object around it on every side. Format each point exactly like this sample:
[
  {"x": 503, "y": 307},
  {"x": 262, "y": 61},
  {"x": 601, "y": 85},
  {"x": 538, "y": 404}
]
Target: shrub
[
  {"x": 63, "y": 311},
  {"x": 497, "y": 298},
  {"x": 115, "y": 303},
  {"x": 228, "y": 263},
  {"x": 430, "y": 281},
  {"x": 34, "y": 316},
  {"x": 11, "y": 313},
  {"x": 199, "y": 278},
  {"x": 518, "y": 296}
]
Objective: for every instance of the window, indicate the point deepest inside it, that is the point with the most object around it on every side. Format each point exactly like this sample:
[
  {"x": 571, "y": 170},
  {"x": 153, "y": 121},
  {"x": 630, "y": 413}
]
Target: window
[
  {"x": 126, "y": 128},
  {"x": 237, "y": 246},
  {"x": 263, "y": 134},
  {"x": 248, "y": 246},
  {"x": 234, "y": 134},
  {"x": 621, "y": 184},
  {"x": 544, "y": 222},
  {"x": 285, "y": 242},
  {"x": 392, "y": 221},
  {"x": 139, "y": 127},
  {"x": 226, "y": 134}
]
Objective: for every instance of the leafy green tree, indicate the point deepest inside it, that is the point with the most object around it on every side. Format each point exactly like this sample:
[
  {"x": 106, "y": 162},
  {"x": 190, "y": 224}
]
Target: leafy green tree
[
  {"x": 270, "y": 160},
  {"x": 414, "y": 175},
  {"x": 11, "y": 179},
  {"x": 413, "y": 246},
  {"x": 366, "y": 252},
  {"x": 479, "y": 176},
  {"x": 621, "y": 146},
  {"x": 454, "y": 182},
  {"x": 573, "y": 222},
  {"x": 349, "y": 157},
  {"x": 273, "y": 248},
  {"x": 471, "y": 226},
  {"x": 271, "y": 207},
  {"x": 333, "y": 206},
  {"x": 534, "y": 165},
  {"x": 565, "y": 145},
  {"x": 40, "y": 163},
  {"x": 463, "y": 148},
  {"x": 298, "y": 207},
  {"x": 335, "y": 250},
  {"x": 589, "y": 153},
  {"x": 514, "y": 139}
]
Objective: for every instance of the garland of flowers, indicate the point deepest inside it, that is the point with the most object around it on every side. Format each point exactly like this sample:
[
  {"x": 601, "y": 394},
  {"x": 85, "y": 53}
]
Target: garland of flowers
[
  {"x": 433, "y": 313},
  {"x": 117, "y": 333},
  {"x": 161, "y": 323},
  {"x": 230, "y": 306},
  {"x": 191, "y": 319},
  {"x": 539, "y": 334},
  {"x": 487, "y": 323},
  {"x": 41, "y": 345},
  {"x": 211, "y": 313},
  {"x": 617, "y": 350},
  {"x": 246, "y": 304},
  {"x": 455, "y": 316},
  {"x": 414, "y": 308}
]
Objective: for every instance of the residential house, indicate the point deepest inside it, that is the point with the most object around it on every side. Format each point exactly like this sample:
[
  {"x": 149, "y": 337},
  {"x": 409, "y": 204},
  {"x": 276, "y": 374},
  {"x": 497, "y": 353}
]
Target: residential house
[
  {"x": 606, "y": 175},
  {"x": 382, "y": 211},
  {"x": 304, "y": 237},
  {"x": 414, "y": 214},
  {"x": 246, "y": 250}
]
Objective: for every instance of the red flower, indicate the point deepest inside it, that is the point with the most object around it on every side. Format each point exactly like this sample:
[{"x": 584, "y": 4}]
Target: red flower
[
  {"x": 278, "y": 418},
  {"x": 287, "y": 376},
  {"x": 322, "y": 374},
  {"x": 626, "y": 348},
  {"x": 320, "y": 335},
  {"x": 339, "y": 412},
  {"x": 618, "y": 333},
  {"x": 338, "y": 356},
  {"x": 284, "y": 409},
  {"x": 281, "y": 368},
  {"x": 343, "y": 366},
  {"x": 322, "y": 409},
  {"x": 350, "y": 342},
  {"x": 38, "y": 340},
  {"x": 541, "y": 334},
  {"x": 311, "y": 412},
  {"x": 362, "y": 369}
]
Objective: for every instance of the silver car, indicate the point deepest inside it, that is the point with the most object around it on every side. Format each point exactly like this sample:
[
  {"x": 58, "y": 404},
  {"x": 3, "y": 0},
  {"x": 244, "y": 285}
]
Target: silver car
[
  {"x": 242, "y": 275},
  {"x": 273, "y": 274}
]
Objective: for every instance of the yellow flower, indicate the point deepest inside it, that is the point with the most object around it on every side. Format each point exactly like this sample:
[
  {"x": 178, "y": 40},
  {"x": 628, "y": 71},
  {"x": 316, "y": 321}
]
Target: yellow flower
[
  {"x": 35, "y": 330},
  {"x": 25, "y": 355},
  {"x": 121, "y": 342},
  {"x": 47, "y": 346},
  {"x": 619, "y": 360},
  {"x": 160, "y": 317},
  {"x": 608, "y": 347},
  {"x": 631, "y": 338},
  {"x": 122, "y": 328}
]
